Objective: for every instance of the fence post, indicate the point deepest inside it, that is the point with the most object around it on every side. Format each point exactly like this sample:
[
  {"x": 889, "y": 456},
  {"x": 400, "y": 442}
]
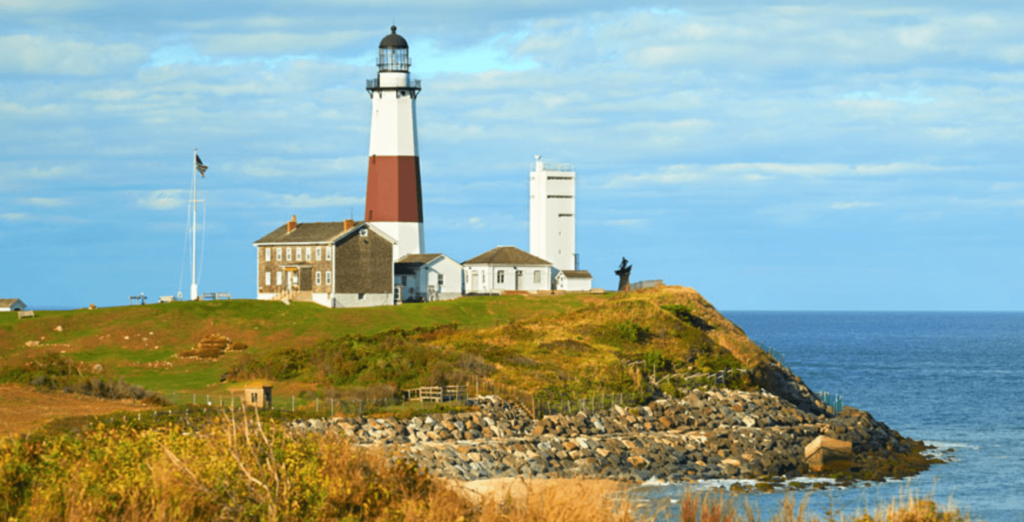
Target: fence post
[
  {"x": 293, "y": 403},
  {"x": 318, "y": 404},
  {"x": 193, "y": 399},
  {"x": 332, "y": 406}
]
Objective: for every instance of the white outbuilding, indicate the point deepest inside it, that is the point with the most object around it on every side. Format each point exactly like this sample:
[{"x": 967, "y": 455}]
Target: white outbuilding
[
  {"x": 428, "y": 277},
  {"x": 11, "y": 305},
  {"x": 573, "y": 280},
  {"x": 504, "y": 269}
]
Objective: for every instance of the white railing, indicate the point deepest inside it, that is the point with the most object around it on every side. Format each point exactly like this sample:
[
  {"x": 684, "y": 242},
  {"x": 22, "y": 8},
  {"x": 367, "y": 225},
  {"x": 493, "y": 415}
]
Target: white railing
[
  {"x": 555, "y": 167},
  {"x": 374, "y": 83}
]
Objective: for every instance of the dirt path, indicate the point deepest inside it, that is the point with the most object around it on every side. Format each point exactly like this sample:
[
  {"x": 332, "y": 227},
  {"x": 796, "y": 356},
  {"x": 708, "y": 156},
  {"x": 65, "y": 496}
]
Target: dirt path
[{"x": 24, "y": 409}]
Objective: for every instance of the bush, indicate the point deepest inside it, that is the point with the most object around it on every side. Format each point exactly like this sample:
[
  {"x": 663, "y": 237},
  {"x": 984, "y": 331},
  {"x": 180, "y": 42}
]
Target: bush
[{"x": 633, "y": 332}]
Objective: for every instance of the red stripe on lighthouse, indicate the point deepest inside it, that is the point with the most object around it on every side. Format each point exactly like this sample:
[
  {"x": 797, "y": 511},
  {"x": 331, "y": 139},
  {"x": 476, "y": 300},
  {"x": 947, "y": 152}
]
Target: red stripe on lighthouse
[{"x": 393, "y": 191}]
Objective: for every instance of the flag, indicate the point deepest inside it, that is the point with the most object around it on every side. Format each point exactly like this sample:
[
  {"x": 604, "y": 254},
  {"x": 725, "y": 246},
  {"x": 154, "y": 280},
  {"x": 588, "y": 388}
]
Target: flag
[{"x": 200, "y": 167}]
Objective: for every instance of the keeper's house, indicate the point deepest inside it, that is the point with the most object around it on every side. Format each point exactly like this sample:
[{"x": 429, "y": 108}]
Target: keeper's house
[
  {"x": 505, "y": 269},
  {"x": 338, "y": 265}
]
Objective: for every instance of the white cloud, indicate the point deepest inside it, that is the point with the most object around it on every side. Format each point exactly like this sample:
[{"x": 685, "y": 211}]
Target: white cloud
[
  {"x": 163, "y": 199},
  {"x": 277, "y": 43},
  {"x": 14, "y": 216},
  {"x": 48, "y": 202},
  {"x": 292, "y": 168},
  {"x": 26, "y": 53},
  {"x": 850, "y": 205},
  {"x": 308, "y": 201},
  {"x": 476, "y": 222},
  {"x": 626, "y": 222},
  {"x": 759, "y": 172}
]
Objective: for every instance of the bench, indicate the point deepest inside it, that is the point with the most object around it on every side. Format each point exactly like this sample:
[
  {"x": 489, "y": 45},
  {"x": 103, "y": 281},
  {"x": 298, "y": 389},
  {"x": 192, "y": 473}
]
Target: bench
[{"x": 23, "y": 314}]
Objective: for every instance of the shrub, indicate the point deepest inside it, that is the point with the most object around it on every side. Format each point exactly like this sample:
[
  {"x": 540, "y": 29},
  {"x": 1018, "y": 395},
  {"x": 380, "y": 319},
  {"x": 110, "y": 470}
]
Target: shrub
[{"x": 633, "y": 332}]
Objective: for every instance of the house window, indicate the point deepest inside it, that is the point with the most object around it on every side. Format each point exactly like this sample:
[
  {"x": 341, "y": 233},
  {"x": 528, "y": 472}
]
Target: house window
[
  {"x": 288, "y": 254},
  {"x": 327, "y": 276},
  {"x": 501, "y": 276},
  {"x": 536, "y": 276},
  {"x": 327, "y": 253},
  {"x": 318, "y": 256},
  {"x": 309, "y": 256},
  {"x": 266, "y": 278},
  {"x": 440, "y": 279},
  {"x": 364, "y": 232},
  {"x": 279, "y": 279},
  {"x": 266, "y": 253},
  {"x": 361, "y": 296},
  {"x": 318, "y": 277},
  {"x": 278, "y": 253}
]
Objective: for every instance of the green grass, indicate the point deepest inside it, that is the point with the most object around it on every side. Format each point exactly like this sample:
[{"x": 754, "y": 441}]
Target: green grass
[{"x": 124, "y": 339}]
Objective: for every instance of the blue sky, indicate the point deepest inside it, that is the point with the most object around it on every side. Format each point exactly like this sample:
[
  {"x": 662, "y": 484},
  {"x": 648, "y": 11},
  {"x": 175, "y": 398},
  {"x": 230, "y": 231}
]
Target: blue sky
[{"x": 805, "y": 156}]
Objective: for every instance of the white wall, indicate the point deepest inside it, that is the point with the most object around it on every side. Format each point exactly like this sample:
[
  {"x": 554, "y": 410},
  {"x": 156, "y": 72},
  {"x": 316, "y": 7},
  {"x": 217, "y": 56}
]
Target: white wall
[
  {"x": 488, "y": 277},
  {"x": 393, "y": 121},
  {"x": 353, "y": 301}
]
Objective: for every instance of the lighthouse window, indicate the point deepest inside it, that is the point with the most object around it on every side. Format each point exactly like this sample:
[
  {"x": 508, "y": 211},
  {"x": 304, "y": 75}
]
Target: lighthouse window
[
  {"x": 501, "y": 276},
  {"x": 327, "y": 252},
  {"x": 266, "y": 253},
  {"x": 555, "y": 196},
  {"x": 565, "y": 215},
  {"x": 318, "y": 253},
  {"x": 327, "y": 275},
  {"x": 288, "y": 254},
  {"x": 278, "y": 253},
  {"x": 266, "y": 278},
  {"x": 308, "y": 256},
  {"x": 318, "y": 277}
]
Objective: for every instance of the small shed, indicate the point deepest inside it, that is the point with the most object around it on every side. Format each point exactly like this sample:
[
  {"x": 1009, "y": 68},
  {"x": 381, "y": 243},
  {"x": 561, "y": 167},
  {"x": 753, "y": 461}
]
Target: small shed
[
  {"x": 258, "y": 396},
  {"x": 11, "y": 305},
  {"x": 825, "y": 453}
]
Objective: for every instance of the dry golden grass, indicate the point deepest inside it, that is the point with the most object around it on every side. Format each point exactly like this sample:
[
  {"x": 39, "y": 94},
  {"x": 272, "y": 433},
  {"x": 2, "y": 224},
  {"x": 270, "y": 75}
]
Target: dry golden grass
[{"x": 23, "y": 409}]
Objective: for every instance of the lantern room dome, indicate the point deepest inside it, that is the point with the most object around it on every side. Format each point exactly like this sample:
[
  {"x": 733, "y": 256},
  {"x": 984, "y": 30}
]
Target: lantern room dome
[{"x": 394, "y": 40}]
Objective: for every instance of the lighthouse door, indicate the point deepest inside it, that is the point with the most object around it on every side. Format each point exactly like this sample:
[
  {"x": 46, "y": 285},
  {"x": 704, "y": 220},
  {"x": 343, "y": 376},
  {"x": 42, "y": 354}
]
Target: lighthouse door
[
  {"x": 475, "y": 285},
  {"x": 519, "y": 279}
]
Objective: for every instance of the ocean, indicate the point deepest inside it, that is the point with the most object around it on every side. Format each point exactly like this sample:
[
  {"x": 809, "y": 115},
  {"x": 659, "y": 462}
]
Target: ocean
[{"x": 954, "y": 380}]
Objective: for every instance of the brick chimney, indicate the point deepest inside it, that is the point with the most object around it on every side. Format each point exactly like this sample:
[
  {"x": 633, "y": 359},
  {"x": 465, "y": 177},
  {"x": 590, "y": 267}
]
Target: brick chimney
[
  {"x": 292, "y": 225},
  {"x": 348, "y": 224}
]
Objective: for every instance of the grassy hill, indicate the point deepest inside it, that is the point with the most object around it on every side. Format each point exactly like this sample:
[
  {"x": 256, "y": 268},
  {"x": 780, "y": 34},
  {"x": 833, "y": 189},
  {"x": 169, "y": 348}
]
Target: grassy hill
[{"x": 554, "y": 346}]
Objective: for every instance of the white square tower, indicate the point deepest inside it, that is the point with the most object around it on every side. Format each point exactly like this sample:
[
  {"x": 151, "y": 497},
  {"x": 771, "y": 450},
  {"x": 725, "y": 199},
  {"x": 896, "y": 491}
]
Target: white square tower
[{"x": 553, "y": 213}]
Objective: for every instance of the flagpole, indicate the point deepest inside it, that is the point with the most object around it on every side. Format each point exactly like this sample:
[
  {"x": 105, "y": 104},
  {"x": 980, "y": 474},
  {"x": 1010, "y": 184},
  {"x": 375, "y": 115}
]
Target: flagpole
[{"x": 195, "y": 289}]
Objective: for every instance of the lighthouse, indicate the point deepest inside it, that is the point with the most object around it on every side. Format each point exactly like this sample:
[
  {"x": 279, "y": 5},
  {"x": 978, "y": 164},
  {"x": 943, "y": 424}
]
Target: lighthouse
[{"x": 394, "y": 200}]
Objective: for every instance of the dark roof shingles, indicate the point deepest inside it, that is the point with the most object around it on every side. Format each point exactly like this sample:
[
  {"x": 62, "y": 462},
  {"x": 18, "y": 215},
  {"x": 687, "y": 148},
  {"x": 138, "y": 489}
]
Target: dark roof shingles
[
  {"x": 507, "y": 255},
  {"x": 307, "y": 233}
]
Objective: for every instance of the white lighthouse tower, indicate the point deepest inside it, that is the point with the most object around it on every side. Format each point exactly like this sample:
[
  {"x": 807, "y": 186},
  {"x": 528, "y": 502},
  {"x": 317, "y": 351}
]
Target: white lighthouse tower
[
  {"x": 394, "y": 200},
  {"x": 553, "y": 213}
]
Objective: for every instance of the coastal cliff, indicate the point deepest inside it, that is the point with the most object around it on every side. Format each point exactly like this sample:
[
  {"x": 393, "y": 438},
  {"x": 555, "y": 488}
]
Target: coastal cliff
[{"x": 756, "y": 426}]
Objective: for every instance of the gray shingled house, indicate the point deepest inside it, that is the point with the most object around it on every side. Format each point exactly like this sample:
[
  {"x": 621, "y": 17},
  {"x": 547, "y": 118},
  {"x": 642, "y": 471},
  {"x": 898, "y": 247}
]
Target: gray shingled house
[{"x": 337, "y": 264}]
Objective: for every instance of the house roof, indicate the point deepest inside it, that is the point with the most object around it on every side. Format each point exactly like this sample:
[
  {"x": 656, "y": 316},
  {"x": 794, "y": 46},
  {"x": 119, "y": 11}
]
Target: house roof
[
  {"x": 577, "y": 274},
  {"x": 307, "y": 233},
  {"x": 418, "y": 259},
  {"x": 506, "y": 255},
  {"x": 7, "y": 303}
]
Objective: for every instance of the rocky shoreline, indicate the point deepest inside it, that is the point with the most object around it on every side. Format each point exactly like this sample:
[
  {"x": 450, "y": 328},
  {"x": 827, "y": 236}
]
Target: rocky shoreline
[{"x": 708, "y": 434}]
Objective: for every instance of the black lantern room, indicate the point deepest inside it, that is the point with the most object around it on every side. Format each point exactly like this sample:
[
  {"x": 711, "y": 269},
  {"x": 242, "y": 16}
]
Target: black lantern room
[{"x": 393, "y": 55}]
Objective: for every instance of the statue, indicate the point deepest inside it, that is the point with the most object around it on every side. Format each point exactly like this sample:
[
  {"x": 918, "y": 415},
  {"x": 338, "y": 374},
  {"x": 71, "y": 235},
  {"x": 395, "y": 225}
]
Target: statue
[{"x": 623, "y": 273}]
